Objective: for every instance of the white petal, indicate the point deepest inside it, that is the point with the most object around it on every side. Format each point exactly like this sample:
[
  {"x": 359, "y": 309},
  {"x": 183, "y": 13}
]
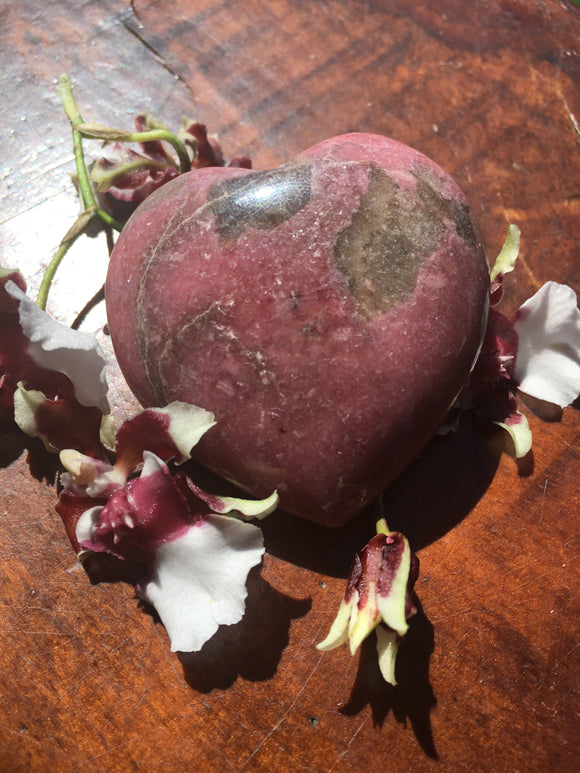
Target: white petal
[
  {"x": 87, "y": 524},
  {"x": 198, "y": 580},
  {"x": 548, "y": 361},
  {"x": 151, "y": 464},
  {"x": 60, "y": 348}
]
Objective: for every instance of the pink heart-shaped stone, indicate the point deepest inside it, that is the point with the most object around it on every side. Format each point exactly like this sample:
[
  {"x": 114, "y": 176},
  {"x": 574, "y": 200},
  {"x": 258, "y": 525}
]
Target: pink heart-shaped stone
[{"x": 328, "y": 312}]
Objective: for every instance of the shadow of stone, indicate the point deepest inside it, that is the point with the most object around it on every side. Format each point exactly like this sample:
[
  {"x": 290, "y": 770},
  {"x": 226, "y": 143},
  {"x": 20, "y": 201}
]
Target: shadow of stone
[
  {"x": 444, "y": 484},
  {"x": 430, "y": 498},
  {"x": 412, "y": 698}
]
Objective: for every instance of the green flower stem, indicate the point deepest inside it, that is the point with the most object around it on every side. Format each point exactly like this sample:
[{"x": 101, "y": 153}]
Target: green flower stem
[
  {"x": 166, "y": 136},
  {"x": 82, "y": 171},
  {"x": 96, "y": 131},
  {"x": 106, "y": 179},
  {"x": 80, "y": 226},
  {"x": 72, "y": 112},
  {"x": 109, "y": 219},
  {"x": 49, "y": 273},
  {"x": 92, "y": 211}
]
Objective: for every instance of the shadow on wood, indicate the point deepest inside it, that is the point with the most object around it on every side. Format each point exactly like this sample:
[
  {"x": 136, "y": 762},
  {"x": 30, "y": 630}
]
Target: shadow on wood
[
  {"x": 431, "y": 497},
  {"x": 413, "y": 697},
  {"x": 252, "y": 648}
]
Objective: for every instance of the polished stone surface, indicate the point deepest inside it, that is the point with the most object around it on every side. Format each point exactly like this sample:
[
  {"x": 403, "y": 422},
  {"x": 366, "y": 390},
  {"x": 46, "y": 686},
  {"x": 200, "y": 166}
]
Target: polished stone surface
[{"x": 328, "y": 312}]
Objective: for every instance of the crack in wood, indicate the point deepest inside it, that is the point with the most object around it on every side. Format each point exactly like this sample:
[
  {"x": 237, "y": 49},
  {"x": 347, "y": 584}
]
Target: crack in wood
[{"x": 137, "y": 29}]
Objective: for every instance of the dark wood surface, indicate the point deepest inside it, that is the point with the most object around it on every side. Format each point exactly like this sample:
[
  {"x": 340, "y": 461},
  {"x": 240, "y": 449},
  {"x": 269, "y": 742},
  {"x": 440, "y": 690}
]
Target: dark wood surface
[{"x": 488, "y": 676}]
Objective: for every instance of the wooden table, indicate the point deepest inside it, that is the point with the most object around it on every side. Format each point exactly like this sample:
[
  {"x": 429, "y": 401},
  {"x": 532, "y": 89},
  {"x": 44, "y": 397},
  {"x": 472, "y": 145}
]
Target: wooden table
[{"x": 488, "y": 676}]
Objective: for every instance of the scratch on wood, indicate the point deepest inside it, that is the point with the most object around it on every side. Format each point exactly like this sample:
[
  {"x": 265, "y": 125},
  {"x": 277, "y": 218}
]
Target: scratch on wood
[
  {"x": 535, "y": 579},
  {"x": 543, "y": 500},
  {"x": 572, "y": 119},
  {"x": 283, "y": 717},
  {"x": 357, "y": 731},
  {"x": 567, "y": 654},
  {"x": 354, "y": 735},
  {"x": 168, "y": 656},
  {"x": 471, "y": 587}
]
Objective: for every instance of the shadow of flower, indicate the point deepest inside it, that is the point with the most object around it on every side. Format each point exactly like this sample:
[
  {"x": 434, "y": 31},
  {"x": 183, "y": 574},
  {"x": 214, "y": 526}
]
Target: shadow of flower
[
  {"x": 413, "y": 697},
  {"x": 42, "y": 464},
  {"x": 12, "y": 444},
  {"x": 252, "y": 648}
]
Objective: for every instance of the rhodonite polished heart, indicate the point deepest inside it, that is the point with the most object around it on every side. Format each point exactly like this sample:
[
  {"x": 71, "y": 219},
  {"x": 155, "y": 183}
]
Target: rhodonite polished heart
[{"x": 328, "y": 312}]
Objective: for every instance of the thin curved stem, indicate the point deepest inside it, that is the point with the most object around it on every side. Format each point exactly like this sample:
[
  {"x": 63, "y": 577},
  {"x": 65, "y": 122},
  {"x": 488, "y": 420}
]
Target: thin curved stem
[
  {"x": 165, "y": 136},
  {"x": 91, "y": 209},
  {"x": 72, "y": 112},
  {"x": 97, "y": 131},
  {"x": 49, "y": 273},
  {"x": 109, "y": 220},
  {"x": 82, "y": 223}
]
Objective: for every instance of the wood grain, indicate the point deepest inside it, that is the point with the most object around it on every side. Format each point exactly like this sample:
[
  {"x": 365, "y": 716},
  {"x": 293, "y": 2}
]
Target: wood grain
[{"x": 488, "y": 676}]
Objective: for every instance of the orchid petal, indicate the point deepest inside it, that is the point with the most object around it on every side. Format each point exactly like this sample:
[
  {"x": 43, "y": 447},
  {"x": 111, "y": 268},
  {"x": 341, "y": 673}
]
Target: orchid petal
[
  {"x": 26, "y": 403},
  {"x": 365, "y": 621},
  {"x": 338, "y": 633},
  {"x": 59, "y": 348},
  {"x": 153, "y": 465},
  {"x": 58, "y": 421},
  {"x": 246, "y": 508},
  {"x": 108, "y": 431},
  {"x": 87, "y": 524},
  {"x": 387, "y": 647},
  {"x": 506, "y": 260},
  {"x": 71, "y": 507},
  {"x": 548, "y": 361},
  {"x": 7, "y": 302},
  {"x": 187, "y": 424},
  {"x": 518, "y": 429},
  {"x": 169, "y": 432},
  {"x": 198, "y": 579},
  {"x": 391, "y": 601}
]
